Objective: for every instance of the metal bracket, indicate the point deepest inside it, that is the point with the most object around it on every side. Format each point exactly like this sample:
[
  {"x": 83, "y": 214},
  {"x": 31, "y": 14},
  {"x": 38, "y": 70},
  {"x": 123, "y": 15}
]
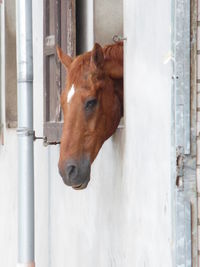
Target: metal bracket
[
  {"x": 27, "y": 132},
  {"x": 180, "y": 168},
  {"x": 117, "y": 38},
  {"x": 45, "y": 142}
]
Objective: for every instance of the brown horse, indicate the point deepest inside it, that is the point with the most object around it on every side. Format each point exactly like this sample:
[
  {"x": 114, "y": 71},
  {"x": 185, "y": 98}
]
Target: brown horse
[{"x": 92, "y": 104}]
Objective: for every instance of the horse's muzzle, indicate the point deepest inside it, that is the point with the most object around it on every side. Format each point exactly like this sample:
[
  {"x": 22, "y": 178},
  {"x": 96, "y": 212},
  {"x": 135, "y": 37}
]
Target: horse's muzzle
[{"x": 75, "y": 173}]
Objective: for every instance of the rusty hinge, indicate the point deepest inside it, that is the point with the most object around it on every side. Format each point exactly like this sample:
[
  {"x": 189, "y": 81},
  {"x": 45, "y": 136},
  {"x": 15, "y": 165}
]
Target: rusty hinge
[
  {"x": 180, "y": 168},
  {"x": 47, "y": 143},
  {"x": 44, "y": 138}
]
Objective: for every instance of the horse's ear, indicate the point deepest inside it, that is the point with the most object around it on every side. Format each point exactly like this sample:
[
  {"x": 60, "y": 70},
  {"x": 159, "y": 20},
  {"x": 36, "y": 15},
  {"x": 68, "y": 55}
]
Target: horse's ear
[
  {"x": 97, "y": 57},
  {"x": 65, "y": 59}
]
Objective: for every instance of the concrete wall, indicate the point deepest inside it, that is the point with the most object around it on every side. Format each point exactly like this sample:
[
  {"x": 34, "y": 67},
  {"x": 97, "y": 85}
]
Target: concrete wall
[
  {"x": 8, "y": 170},
  {"x": 124, "y": 216},
  {"x": 147, "y": 135},
  {"x": 41, "y": 153}
]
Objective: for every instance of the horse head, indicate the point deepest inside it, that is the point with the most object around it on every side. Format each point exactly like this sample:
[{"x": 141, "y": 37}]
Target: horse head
[{"x": 92, "y": 105}]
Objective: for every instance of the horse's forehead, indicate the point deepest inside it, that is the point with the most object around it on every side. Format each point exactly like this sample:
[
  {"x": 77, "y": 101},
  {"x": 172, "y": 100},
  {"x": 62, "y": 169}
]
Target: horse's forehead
[
  {"x": 81, "y": 75},
  {"x": 84, "y": 80},
  {"x": 78, "y": 76}
]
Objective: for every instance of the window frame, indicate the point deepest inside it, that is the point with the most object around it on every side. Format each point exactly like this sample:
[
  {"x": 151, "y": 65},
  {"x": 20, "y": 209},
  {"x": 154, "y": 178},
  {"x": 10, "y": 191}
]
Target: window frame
[{"x": 63, "y": 24}]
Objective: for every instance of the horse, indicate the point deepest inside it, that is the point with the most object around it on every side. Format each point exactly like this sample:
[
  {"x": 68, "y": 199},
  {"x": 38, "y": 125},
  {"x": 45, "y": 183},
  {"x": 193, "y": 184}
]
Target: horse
[{"x": 92, "y": 105}]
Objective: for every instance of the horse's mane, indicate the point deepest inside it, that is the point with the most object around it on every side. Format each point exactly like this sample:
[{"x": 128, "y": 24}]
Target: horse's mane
[
  {"x": 111, "y": 52},
  {"x": 114, "y": 52}
]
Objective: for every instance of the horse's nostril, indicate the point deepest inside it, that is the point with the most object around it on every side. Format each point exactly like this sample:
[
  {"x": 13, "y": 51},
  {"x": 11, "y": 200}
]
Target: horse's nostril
[
  {"x": 75, "y": 173},
  {"x": 72, "y": 171}
]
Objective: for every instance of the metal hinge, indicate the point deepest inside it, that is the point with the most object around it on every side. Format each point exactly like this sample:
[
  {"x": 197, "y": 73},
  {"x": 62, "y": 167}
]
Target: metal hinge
[
  {"x": 44, "y": 138},
  {"x": 180, "y": 157},
  {"x": 45, "y": 142}
]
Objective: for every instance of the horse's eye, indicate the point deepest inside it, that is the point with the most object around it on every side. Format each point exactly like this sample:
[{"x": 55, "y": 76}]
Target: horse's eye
[{"x": 90, "y": 104}]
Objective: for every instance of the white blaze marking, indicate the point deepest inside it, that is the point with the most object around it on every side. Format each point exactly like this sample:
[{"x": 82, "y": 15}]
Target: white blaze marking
[{"x": 70, "y": 94}]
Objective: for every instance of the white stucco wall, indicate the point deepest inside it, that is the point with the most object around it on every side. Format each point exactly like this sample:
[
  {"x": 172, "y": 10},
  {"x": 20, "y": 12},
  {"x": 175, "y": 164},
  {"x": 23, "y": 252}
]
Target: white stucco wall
[
  {"x": 8, "y": 174},
  {"x": 124, "y": 217},
  {"x": 41, "y": 152},
  {"x": 147, "y": 135}
]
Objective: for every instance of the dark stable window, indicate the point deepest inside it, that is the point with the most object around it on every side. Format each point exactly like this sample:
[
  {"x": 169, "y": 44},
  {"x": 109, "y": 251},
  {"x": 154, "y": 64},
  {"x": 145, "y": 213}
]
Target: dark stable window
[{"x": 59, "y": 29}]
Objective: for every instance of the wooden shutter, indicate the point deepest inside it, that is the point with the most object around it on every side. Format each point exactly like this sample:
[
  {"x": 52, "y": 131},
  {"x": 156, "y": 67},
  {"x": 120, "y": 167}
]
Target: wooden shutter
[{"x": 59, "y": 29}]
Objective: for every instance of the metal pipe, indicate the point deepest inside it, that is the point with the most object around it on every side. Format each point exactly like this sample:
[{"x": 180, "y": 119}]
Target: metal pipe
[{"x": 25, "y": 134}]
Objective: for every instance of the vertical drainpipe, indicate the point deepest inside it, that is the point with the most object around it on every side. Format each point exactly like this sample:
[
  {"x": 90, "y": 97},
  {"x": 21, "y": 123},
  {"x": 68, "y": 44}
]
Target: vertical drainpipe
[{"x": 25, "y": 134}]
